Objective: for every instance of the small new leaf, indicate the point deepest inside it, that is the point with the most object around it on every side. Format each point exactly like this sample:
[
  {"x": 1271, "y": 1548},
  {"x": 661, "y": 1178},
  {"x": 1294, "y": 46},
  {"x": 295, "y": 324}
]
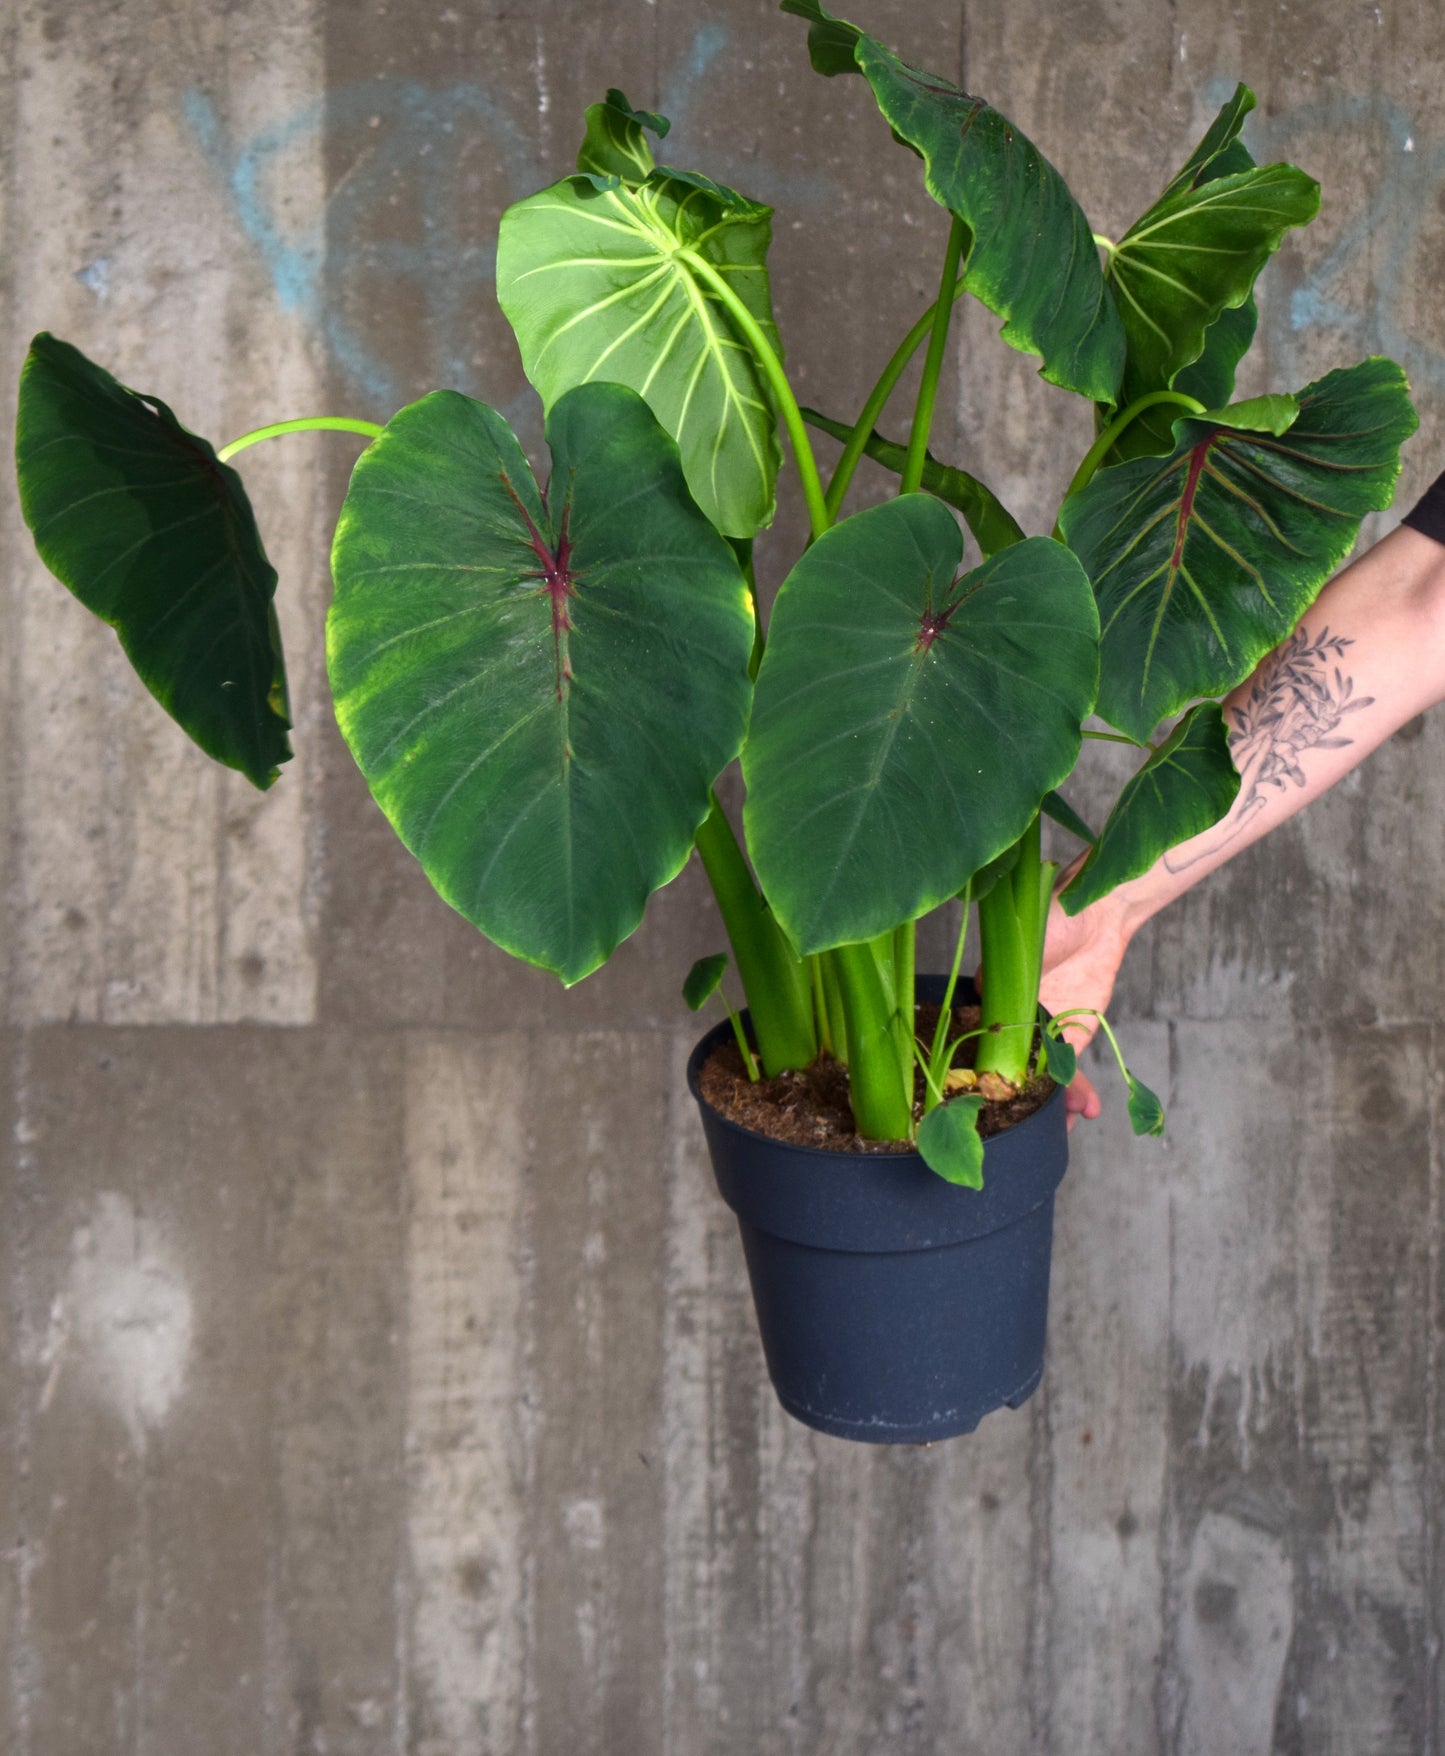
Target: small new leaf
[
  {"x": 702, "y": 980},
  {"x": 831, "y": 41},
  {"x": 949, "y": 1141},
  {"x": 1062, "y": 1063},
  {"x": 1146, "y": 1113},
  {"x": 616, "y": 144}
]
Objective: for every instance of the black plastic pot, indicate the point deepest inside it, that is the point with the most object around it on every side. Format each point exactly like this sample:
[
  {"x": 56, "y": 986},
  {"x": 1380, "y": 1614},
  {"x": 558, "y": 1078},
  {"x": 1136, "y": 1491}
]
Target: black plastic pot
[{"x": 893, "y": 1307}]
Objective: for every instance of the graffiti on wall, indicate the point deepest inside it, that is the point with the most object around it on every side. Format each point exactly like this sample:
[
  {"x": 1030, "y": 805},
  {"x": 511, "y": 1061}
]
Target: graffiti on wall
[{"x": 421, "y": 135}]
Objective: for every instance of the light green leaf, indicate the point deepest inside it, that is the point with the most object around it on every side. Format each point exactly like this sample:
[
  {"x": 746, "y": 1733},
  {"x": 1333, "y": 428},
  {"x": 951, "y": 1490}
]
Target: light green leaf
[
  {"x": 949, "y": 1141},
  {"x": 598, "y": 278},
  {"x": 907, "y": 721},
  {"x": 616, "y": 143},
  {"x": 1146, "y": 1113},
  {"x": 152, "y": 532},
  {"x": 1204, "y": 560},
  {"x": 540, "y": 690},
  {"x": 1184, "y": 788}
]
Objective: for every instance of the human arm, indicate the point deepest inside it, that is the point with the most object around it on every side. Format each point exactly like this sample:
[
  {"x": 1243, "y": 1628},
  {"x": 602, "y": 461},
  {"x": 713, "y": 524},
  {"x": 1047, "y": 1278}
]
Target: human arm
[{"x": 1367, "y": 656}]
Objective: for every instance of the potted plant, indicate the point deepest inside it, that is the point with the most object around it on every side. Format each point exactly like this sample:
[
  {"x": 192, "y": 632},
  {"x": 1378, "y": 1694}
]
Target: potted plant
[{"x": 542, "y": 680}]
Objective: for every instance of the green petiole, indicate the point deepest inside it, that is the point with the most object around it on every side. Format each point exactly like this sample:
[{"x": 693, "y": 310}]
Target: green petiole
[{"x": 305, "y": 424}]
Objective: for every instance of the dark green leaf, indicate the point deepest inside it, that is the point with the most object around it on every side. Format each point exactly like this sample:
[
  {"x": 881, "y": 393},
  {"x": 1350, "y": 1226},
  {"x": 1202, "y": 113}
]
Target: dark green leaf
[
  {"x": 1032, "y": 259},
  {"x": 1220, "y": 142},
  {"x": 993, "y": 526},
  {"x": 1184, "y": 788},
  {"x": 831, "y": 42},
  {"x": 949, "y": 1141},
  {"x": 1146, "y": 1113},
  {"x": 1210, "y": 379},
  {"x": 1195, "y": 253},
  {"x": 907, "y": 722},
  {"x": 1063, "y": 1063},
  {"x": 1055, "y": 805},
  {"x": 1031, "y": 256},
  {"x": 539, "y": 691},
  {"x": 146, "y": 526},
  {"x": 598, "y": 278},
  {"x": 616, "y": 144},
  {"x": 1204, "y": 560},
  {"x": 702, "y": 980}
]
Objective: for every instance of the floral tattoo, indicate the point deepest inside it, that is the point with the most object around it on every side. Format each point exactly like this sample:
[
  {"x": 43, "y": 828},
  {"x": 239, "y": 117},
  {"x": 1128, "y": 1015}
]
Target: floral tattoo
[{"x": 1298, "y": 702}]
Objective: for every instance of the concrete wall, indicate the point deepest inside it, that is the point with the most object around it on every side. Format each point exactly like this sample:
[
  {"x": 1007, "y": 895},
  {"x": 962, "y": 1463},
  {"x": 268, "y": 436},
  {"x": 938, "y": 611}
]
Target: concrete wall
[{"x": 377, "y": 1372}]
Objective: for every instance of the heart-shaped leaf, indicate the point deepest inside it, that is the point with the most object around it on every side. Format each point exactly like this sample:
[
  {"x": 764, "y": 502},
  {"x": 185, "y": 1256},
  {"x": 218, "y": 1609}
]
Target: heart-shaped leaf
[
  {"x": 615, "y": 143},
  {"x": 1031, "y": 258},
  {"x": 907, "y": 722},
  {"x": 540, "y": 690},
  {"x": 1146, "y": 1113},
  {"x": 703, "y": 979},
  {"x": 151, "y": 531},
  {"x": 949, "y": 1141},
  {"x": 991, "y": 523},
  {"x": 1204, "y": 560},
  {"x": 1063, "y": 1062},
  {"x": 1184, "y": 788},
  {"x": 598, "y": 278}
]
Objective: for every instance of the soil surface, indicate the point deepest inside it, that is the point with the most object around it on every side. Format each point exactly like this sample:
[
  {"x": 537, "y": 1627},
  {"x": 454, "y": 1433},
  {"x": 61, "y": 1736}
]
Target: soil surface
[{"x": 811, "y": 1107}]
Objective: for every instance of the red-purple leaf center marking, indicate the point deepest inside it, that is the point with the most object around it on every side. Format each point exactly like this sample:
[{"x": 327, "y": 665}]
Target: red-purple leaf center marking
[
  {"x": 1197, "y": 460},
  {"x": 557, "y": 579}
]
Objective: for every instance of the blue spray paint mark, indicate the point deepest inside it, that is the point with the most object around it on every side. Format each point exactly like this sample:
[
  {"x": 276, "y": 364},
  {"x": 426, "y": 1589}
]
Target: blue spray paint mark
[
  {"x": 1376, "y": 255},
  {"x": 418, "y": 135}
]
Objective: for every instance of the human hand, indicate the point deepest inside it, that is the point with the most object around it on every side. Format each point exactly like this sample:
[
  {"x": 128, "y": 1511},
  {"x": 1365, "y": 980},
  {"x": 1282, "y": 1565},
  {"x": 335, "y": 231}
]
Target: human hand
[{"x": 1082, "y": 954}]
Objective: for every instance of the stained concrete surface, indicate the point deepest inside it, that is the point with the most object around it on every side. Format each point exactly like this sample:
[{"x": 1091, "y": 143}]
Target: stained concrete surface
[{"x": 377, "y": 1372}]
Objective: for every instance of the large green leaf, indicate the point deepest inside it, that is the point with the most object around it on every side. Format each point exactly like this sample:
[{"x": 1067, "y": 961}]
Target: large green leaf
[
  {"x": 1182, "y": 274},
  {"x": 1031, "y": 258},
  {"x": 540, "y": 691},
  {"x": 1204, "y": 560},
  {"x": 907, "y": 722},
  {"x": 1184, "y": 788},
  {"x": 141, "y": 520},
  {"x": 598, "y": 278},
  {"x": 1192, "y": 255},
  {"x": 993, "y": 526}
]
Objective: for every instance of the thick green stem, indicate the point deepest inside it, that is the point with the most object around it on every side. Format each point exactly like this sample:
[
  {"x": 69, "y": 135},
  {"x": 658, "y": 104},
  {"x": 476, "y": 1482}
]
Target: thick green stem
[
  {"x": 933, "y": 364},
  {"x": 881, "y": 1090},
  {"x": 774, "y": 978},
  {"x": 772, "y": 369},
  {"x": 306, "y": 424},
  {"x": 1104, "y": 444},
  {"x": 833, "y": 1001},
  {"x": 877, "y": 401},
  {"x": 1011, "y": 932}
]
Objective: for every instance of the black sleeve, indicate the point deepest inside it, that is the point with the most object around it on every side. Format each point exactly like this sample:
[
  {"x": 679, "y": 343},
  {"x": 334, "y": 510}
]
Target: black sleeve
[{"x": 1428, "y": 516}]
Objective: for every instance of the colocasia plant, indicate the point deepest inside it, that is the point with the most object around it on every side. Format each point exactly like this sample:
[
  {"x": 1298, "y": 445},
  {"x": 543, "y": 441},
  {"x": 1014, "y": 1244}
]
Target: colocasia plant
[{"x": 542, "y": 680}]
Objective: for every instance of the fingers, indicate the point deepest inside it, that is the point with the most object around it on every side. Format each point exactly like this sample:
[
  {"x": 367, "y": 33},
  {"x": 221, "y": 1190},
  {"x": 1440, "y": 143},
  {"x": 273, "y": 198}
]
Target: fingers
[{"x": 1082, "y": 1101}]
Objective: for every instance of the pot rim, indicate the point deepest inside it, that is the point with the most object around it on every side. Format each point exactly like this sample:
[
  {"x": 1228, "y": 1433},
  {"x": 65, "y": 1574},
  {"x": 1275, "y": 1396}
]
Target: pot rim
[{"x": 722, "y": 1032}]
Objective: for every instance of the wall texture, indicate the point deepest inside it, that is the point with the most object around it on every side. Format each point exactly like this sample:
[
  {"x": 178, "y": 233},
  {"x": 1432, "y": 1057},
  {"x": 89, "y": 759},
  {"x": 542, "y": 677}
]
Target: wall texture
[{"x": 377, "y": 1372}]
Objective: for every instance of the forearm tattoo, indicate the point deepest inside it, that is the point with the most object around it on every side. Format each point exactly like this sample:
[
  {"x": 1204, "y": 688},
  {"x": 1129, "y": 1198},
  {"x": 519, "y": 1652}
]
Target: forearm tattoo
[{"x": 1298, "y": 701}]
